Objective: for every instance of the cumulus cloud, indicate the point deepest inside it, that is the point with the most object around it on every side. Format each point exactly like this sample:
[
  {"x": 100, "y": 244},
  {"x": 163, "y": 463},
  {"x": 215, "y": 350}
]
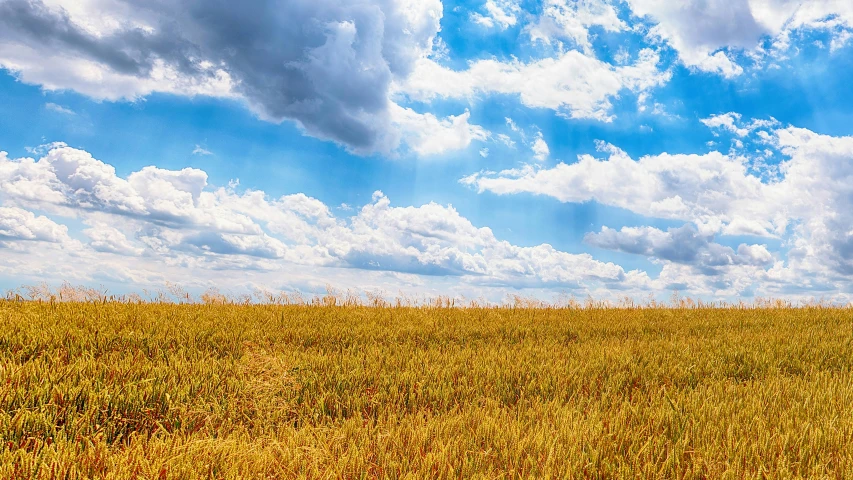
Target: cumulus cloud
[
  {"x": 174, "y": 217},
  {"x": 680, "y": 245},
  {"x": 810, "y": 204},
  {"x": 155, "y": 220},
  {"x": 104, "y": 238},
  {"x": 437, "y": 237},
  {"x": 726, "y": 121},
  {"x": 67, "y": 178},
  {"x": 428, "y": 135},
  {"x": 500, "y": 13},
  {"x": 334, "y": 67},
  {"x": 326, "y": 64},
  {"x": 18, "y": 224},
  {"x": 573, "y": 84},
  {"x": 706, "y": 32},
  {"x": 572, "y": 19},
  {"x": 713, "y": 190}
]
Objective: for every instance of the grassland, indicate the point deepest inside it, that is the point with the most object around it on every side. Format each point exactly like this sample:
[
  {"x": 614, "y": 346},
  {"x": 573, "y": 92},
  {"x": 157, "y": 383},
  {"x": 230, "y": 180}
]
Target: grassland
[{"x": 128, "y": 390}]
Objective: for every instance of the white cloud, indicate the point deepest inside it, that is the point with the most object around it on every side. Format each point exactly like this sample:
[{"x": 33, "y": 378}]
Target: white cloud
[
  {"x": 540, "y": 148},
  {"x": 500, "y": 13},
  {"x": 346, "y": 79},
  {"x": 59, "y": 109},
  {"x": 809, "y": 204},
  {"x": 156, "y": 225},
  {"x": 712, "y": 190},
  {"x": 436, "y": 239},
  {"x": 573, "y": 84},
  {"x": 511, "y": 124},
  {"x": 20, "y": 224},
  {"x": 505, "y": 139},
  {"x": 706, "y": 32},
  {"x": 840, "y": 40},
  {"x": 199, "y": 150},
  {"x": 680, "y": 245},
  {"x": 428, "y": 135},
  {"x": 67, "y": 178},
  {"x": 172, "y": 220},
  {"x": 108, "y": 239},
  {"x": 726, "y": 121},
  {"x": 571, "y": 19}
]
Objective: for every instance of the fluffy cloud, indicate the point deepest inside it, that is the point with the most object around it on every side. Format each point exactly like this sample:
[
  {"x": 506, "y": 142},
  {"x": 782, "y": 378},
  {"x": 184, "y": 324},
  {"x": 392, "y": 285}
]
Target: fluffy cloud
[
  {"x": 707, "y": 34},
  {"x": 428, "y": 135},
  {"x": 714, "y": 190},
  {"x": 540, "y": 148},
  {"x": 726, "y": 121},
  {"x": 156, "y": 225},
  {"x": 104, "y": 238},
  {"x": 18, "y": 224},
  {"x": 704, "y": 32},
  {"x": 573, "y": 84},
  {"x": 68, "y": 180},
  {"x": 571, "y": 20},
  {"x": 326, "y": 64},
  {"x": 810, "y": 204},
  {"x": 680, "y": 245},
  {"x": 500, "y": 13},
  {"x": 332, "y": 66},
  {"x": 173, "y": 218}
]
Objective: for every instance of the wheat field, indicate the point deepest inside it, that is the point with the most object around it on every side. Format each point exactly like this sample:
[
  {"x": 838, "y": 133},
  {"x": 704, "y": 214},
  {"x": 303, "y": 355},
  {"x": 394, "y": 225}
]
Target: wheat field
[{"x": 113, "y": 389}]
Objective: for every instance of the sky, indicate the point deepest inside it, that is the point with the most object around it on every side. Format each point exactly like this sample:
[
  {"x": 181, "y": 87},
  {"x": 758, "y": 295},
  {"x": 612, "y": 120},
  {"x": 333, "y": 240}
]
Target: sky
[{"x": 591, "y": 148}]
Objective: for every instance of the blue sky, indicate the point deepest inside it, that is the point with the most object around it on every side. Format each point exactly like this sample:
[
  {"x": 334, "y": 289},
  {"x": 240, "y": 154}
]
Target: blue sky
[{"x": 596, "y": 147}]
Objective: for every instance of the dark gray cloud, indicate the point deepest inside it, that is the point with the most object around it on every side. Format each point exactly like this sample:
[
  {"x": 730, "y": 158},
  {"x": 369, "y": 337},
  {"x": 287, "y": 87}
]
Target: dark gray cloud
[
  {"x": 129, "y": 51},
  {"x": 327, "y": 64}
]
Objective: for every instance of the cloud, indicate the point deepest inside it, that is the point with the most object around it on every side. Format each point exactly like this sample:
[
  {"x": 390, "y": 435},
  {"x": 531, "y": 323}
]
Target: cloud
[
  {"x": 59, "y": 109},
  {"x": 809, "y": 204},
  {"x": 17, "y": 224},
  {"x": 435, "y": 239},
  {"x": 174, "y": 218},
  {"x": 573, "y": 84},
  {"x": 732, "y": 122},
  {"x": 571, "y": 20},
  {"x": 705, "y": 33},
  {"x": 157, "y": 224},
  {"x": 199, "y": 150},
  {"x": 680, "y": 245},
  {"x": 111, "y": 240},
  {"x": 540, "y": 148},
  {"x": 67, "y": 178},
  {"x": 726, "y": 121},
  {"x": 713, "y": 190},
  {"x": 327, "y": 65},
  {"x": 428, "y": 135},
  {"x": 500, "y": 13}
]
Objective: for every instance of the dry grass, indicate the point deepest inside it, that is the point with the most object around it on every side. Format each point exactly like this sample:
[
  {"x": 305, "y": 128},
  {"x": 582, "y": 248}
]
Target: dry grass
[{"x": 148, "y": 390}]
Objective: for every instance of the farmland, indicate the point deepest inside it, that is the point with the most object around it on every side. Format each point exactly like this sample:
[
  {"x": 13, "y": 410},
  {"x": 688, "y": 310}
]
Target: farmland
[{"x": 156, "y": 390}]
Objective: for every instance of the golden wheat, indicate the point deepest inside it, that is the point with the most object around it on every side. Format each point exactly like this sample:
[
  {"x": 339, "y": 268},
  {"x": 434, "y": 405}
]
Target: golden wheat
[{"x": 106, "y": 389}]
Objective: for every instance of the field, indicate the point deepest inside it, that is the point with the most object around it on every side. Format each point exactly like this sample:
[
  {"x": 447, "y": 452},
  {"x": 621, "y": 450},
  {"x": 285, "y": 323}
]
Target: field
[{"x": 152, "y": 390}]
